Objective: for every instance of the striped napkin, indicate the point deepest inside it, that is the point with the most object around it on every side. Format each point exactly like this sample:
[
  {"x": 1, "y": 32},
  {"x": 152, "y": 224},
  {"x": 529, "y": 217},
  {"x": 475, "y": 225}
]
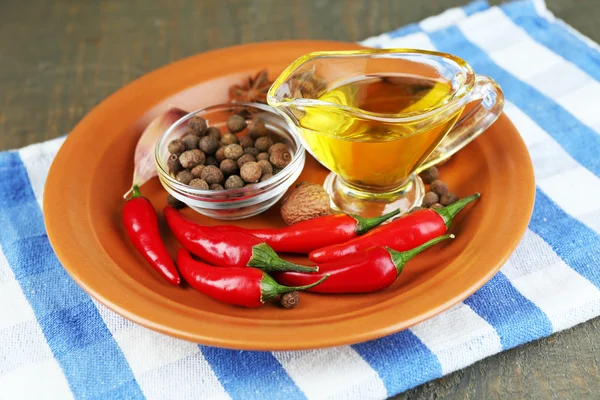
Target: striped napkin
[{"x": 56, "y": 342}]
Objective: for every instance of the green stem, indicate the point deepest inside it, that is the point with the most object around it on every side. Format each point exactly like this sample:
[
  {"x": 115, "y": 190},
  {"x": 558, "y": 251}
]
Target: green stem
[
  {"x": 269, "y": 288},
  {"x": 366, "y": 224},
  {"x": 449, "y": 212},
  {"x": 136, "y": 192},
  {"x": 265, "y": 258},
  {"x": 401, "y": 258}
]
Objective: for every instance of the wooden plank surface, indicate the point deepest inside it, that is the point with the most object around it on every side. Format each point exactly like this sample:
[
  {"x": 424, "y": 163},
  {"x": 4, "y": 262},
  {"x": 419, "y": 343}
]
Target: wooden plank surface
[{"x": 60, "y": 58}]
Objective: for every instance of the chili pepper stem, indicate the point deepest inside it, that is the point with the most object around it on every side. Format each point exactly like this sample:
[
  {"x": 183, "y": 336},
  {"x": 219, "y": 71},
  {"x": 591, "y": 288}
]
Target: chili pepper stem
[
  {"x": 265, "y": 258},
  {"x": 135, "y": 192},
  {"x": 270, "y": 289},
  {"x": 449, "y": 212},
  {"x": 401, "y": 258},
  {"x": 366, "y": 224}
]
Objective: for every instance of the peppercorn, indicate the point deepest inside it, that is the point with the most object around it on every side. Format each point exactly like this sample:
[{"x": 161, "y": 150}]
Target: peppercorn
[
  {"x": 214, "y": 132},
  {"x": 220, "y": 154},
  {"x": 280, "y": 159},
  {"x": 277, "y": 147},
  {"x": 439, "y": 187},
  {"x": 257, "y": 129},
  {"x": 210, "y": 160},
  {"x": 263, "y": 143},
  {"x": 251, "y": 172},
  {"x": 209, "y": 145},
  {"x": 175, "y": 203},
  {"x": 437, "y": 205},
  {"x": 245, "y": 159},
  {"x": 253, "y": 151},
  {"x": 262, "y": 156},
  {"x": 197, "y": 171},
  {"x": 448, "y": 199},
  {"x": 290, "y": 300},
  {"x": 198, "y": 125},
  {"x": 198, "y": 184},
  {"x": 228, "y": 167},
  {"x": 173, "y": 164},
  {"x": 234, "y": 182},
  {"x": 176, "y": 146},
  {"x": 430, "y": 198},
  {"x": 229, "y": 138},
  {"x": 430, "y": 175},
  {"x": 233, "y": 151},
  {"x": 264, "y": 177},
  {"x": 236, "y": 123},
  {"x": 212, "y": 174},
  {"x": 191, "y": 158},
  {"x": 216, "y": 186},
  {"x": 246, "y": 142},
  {"x": 191, "y": 141},
  {"x": 184, "y": 177},
  {"x": 414, "y": 209},
  {"x": 266, "y": 167}
]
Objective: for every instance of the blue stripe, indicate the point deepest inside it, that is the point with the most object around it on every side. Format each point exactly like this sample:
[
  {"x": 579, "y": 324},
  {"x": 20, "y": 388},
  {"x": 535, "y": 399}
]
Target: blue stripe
[
  {"x": 576, "y": 244},
  {"x": 581, "y": 142},
  {"x": 251, "y": 374},
  {"x": 475, "y": 7},
  {"x": 516, "y": 319},
  {"x": 554, "y": 37},
  {"x": 405, "y": 30},
  {"x": 91, "y": 360},
  {"x": 401, "y": 360}
]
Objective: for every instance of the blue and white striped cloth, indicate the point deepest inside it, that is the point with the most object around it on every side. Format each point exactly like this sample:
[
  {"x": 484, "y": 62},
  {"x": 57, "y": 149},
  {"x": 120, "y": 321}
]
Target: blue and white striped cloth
[{"x": 56, "y": 342}]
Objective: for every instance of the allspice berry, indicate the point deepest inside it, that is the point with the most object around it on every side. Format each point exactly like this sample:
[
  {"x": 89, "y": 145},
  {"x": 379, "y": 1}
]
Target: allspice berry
[
  {"x": 175, "y": 203},
  {"x": 277, "y": 147},
  {"x": 210, "y": 160},
  {"x": 176, "y": 146},
  {"x": 263, "y": 143},
  {"x": 191, "y": 141},
  {"x": 220, "y": 154},
  {"x": 191, "y": 158},
  {"x": 198, "y": 125},
  {"x": 415, "y": 209},
  {"x": 437, "y": 205},
  {"x": 197, "y": 171},
  {"x": 439, "y": 187},
  {"x": 233, "y": 151},
  {"x": 245, "y": 159},
  {"x": 214, "y": 132},
  {"x": 236, "y": 123},
  {"x": 216, "y": 186},
  {"x": 212, "y": 174},
  {"x": 262, "y": 156},
  {"x": 198, "y": 184},
  {"x": 257, "y": 129},
  {"x": 234, "y": 182},
  {"x": 173, "y": 164},
  {"x": 246, "y": 142},
  {"x": 430, "y": 175},
  {"x": 184, "y": 177},
  {"x": 266, "y": 167},
  {"x": 250, "y": 172},
  {"x": 264, "y": 177},
  {"x": 280, "y": 159},
  {"x": 430, "y": 199},
  {"x": 253, "y": 151},
  {"x": 448, "y": 199},
  {"x": 228, "y": 167},
  {"x": 290, "y": 300},
  {"x": 229, "y": 138},
  {"x": 209, "y": 145}
]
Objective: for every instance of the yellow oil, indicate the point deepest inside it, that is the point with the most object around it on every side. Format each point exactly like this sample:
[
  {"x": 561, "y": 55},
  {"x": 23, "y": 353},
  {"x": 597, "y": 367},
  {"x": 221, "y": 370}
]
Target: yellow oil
[{"x": 368, "y": 151}]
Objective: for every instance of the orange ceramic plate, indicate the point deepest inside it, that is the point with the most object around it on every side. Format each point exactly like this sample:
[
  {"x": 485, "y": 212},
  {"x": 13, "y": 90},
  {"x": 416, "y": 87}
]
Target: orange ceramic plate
[{"x": 83, "y": 201}]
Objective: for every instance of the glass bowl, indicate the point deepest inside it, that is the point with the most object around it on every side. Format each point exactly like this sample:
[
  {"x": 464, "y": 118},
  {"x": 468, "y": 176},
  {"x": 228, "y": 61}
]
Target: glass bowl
[{"x": 231, "y": 204}]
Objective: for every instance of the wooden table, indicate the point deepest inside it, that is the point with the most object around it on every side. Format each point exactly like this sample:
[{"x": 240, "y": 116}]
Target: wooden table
[{"x": 59, "y": 58}]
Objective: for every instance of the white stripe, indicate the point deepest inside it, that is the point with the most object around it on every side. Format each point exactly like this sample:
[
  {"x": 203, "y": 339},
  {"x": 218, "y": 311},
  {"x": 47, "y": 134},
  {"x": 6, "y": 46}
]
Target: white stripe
[
  {"x": 525, "y": 58},
  {"x": 37, "y": 159},
  {"x": 417, "y": 40},
  {"x": 40, "y": 380},
  {"x": 536, "y": 271},
  {"x": 164, "y": 367},
  {"x": 443, "y": 20},
  {"x": 458, "y": 337},
  {"x": 334, "y": 373},
  {"x": 14, "y": 307}
]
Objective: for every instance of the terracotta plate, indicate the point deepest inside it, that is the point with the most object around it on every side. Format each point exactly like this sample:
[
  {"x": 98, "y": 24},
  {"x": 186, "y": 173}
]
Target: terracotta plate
[{"x": 93, "y": 169}]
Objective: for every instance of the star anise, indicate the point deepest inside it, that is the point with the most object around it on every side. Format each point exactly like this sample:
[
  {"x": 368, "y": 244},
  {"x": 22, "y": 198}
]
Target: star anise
[{"x": 253, "y": 90}]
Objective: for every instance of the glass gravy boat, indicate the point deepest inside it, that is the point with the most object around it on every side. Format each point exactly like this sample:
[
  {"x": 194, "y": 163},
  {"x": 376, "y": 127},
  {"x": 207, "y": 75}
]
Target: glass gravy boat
[{"x": 376, "y": 118}]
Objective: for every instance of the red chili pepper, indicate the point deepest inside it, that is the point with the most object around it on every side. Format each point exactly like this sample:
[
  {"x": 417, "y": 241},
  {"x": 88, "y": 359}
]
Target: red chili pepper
[
  {"x": 402, "y": 234},
  {"x": 248, "y": 287},
  {"x": 141, "y": 223},
  {"x": 227, "y": 248},
  {"x": 306, "y": 236},
  {"x": 371, "y": 270}
]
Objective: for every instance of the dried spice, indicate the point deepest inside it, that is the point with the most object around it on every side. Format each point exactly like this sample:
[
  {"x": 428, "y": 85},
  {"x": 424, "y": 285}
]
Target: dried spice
[{"x": 254, "y": 89}]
